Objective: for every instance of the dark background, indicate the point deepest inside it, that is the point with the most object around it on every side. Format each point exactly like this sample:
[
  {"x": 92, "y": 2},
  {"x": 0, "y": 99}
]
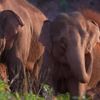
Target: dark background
[{"x": 53, "y": 7}]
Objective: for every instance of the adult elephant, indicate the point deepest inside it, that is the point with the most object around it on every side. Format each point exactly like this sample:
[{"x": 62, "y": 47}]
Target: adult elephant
[
  {"x": 93, "y": 15},
  {"x": 68, "y": 58},
  {"x": 20, "y": 26}
]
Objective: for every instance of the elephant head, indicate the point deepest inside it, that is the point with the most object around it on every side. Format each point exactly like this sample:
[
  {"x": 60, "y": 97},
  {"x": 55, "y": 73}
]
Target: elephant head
[
  {"x": 70, "y": 39},
  {"x": 10, "y": 24}
]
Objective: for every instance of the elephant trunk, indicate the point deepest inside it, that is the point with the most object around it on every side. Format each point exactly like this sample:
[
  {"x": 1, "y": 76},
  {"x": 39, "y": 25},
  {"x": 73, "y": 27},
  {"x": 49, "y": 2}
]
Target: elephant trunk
[{"x": 81, "y": 64}]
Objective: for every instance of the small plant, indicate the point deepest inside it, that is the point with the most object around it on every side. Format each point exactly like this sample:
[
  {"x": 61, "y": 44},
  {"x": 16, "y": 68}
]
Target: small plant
[
  {"x": 47, "y": 92},
  {"x": 4, "y": 87},
  {"x": 63, "y": 97},
  {"x": 31, "y": 96},
  {"x": 5, "y": 94}
]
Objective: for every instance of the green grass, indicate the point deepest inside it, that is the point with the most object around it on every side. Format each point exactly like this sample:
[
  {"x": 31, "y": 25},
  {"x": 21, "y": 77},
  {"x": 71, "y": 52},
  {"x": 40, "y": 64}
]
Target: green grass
[{"x": 6, "y": 94}]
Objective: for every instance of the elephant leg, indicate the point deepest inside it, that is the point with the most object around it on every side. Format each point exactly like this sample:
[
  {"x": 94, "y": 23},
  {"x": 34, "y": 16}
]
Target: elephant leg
[
  {"x": 16, "y": 74},
  {"x": 60, "y": 86},
  {"x": 32, "y": 74},
  {"x": 82, "y": 89},
  {"x": 37, "y": 66},
  {"x": 76, "y": 89}
]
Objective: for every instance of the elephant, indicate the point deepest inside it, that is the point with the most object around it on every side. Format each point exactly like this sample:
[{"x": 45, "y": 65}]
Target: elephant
[
  {"x": 20, "y": 50},
  {"x": 93, "y": 15},
  {"x": 69, "y": 41}
]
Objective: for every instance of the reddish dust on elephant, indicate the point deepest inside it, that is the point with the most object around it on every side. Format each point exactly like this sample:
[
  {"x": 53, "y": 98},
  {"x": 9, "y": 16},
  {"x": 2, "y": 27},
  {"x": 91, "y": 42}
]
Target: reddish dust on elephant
[
  {"x": 20, "y": 27},
  {"x": 94, "y": 15},
  {"x": 94, "y": 93},
  {"x": 3, "y": 72}
]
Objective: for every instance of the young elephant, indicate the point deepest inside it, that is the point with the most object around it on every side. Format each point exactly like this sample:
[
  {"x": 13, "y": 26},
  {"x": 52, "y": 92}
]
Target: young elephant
[{"x": 68, "y": 58}]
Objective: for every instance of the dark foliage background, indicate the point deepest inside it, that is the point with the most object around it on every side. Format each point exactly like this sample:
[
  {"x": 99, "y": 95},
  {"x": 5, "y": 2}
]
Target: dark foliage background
[{"x": 53, "y": 7}]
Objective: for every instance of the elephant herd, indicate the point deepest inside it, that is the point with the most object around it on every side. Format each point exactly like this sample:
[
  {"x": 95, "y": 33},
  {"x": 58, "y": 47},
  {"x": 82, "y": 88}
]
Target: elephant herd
[{"x": 63, "y": 52}]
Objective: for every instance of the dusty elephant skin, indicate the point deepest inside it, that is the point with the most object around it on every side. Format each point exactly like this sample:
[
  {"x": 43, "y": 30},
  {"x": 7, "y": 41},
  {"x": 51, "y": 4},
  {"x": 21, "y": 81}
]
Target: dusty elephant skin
[
  {"x": 94, "y": 92},
  {"x": 20, "y": 26},
  {"x": 94, "y": 15},
  {"x": 68, "y": 59},
  {"x": 3, "y": 73}
]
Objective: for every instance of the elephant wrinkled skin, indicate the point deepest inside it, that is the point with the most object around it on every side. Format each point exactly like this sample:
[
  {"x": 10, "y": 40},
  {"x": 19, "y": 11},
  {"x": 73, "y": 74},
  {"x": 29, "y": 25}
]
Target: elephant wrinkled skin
[
  {"x": 20, "y": 26},
  {"x": 68, "y": 58}
]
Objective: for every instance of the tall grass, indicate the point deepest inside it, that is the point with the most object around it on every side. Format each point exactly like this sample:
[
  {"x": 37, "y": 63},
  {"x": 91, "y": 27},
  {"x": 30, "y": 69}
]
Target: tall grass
[{"x": 6, "y": 94}]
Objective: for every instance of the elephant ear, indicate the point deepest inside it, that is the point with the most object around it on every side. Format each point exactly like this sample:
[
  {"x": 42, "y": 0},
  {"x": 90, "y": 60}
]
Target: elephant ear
[
  {"x": 98, "y": 39},
  {"x": 45, "y": 37},
  {"x": 9, "y": 19},
  {"x": 98, "y": 30},
  {"x": 94, "y": 31}
]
